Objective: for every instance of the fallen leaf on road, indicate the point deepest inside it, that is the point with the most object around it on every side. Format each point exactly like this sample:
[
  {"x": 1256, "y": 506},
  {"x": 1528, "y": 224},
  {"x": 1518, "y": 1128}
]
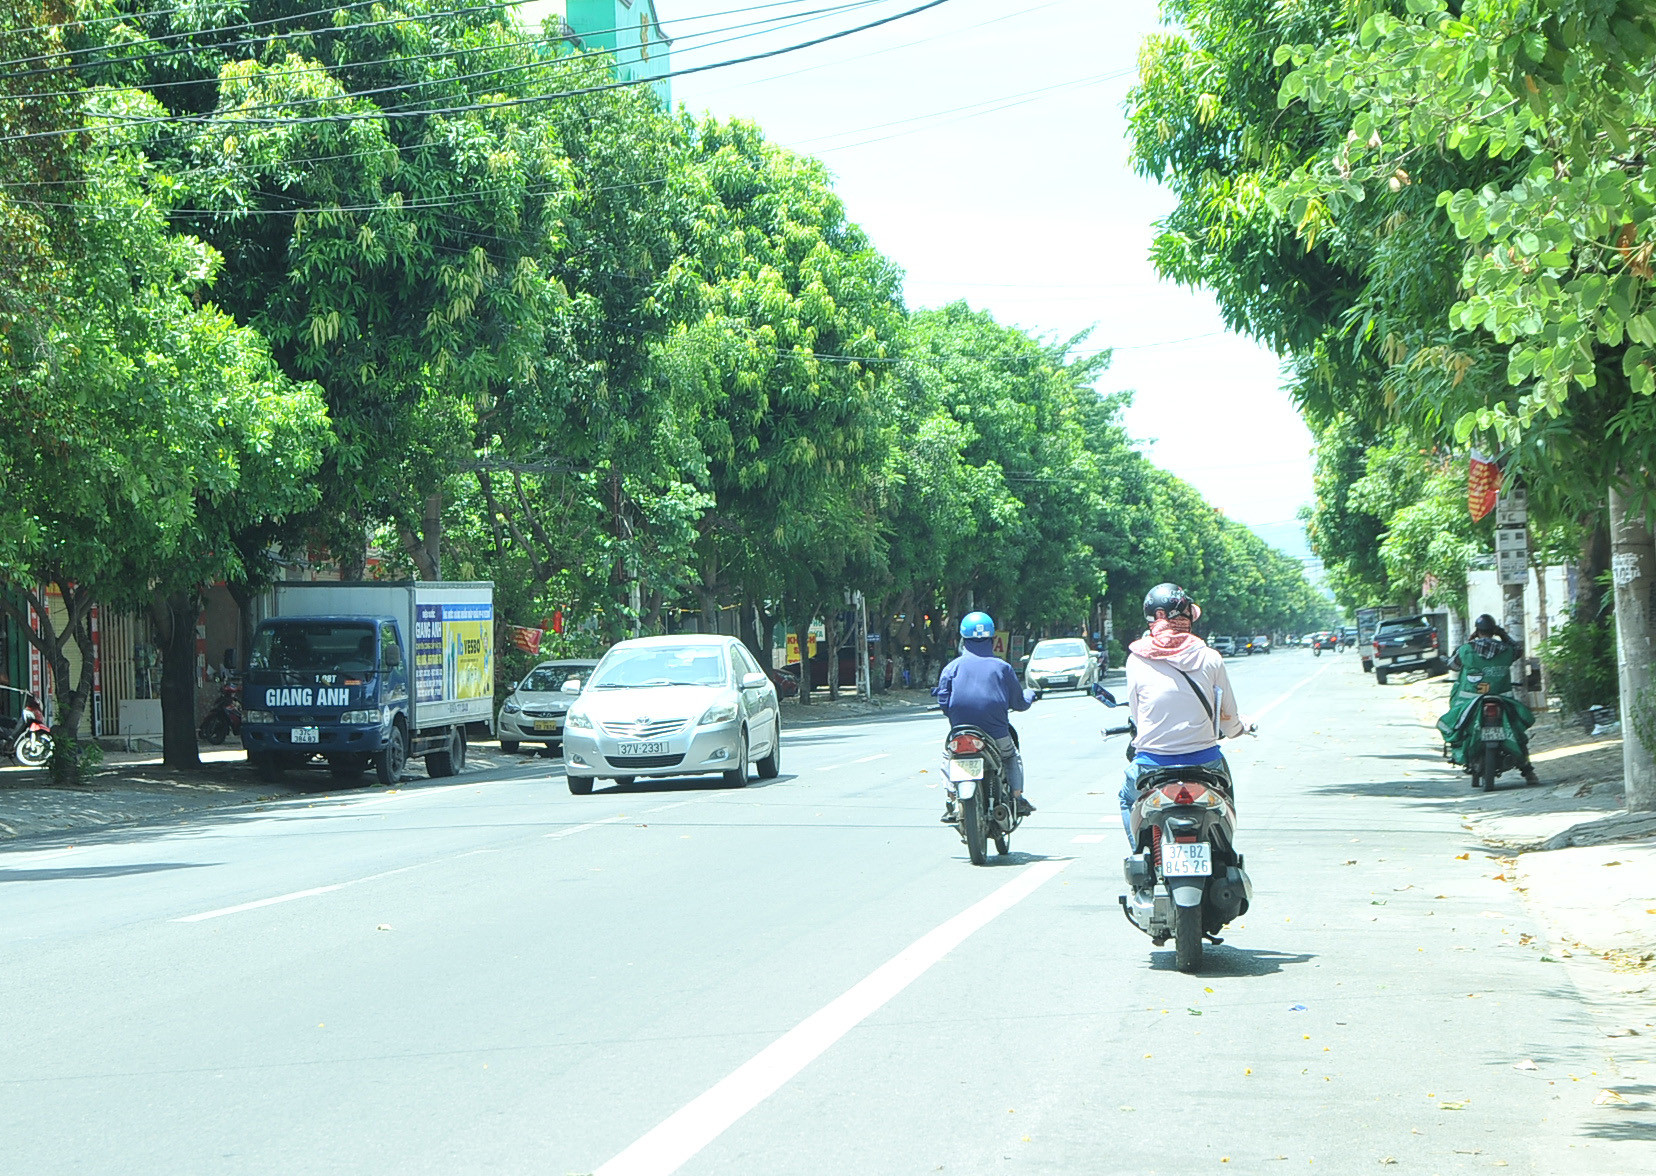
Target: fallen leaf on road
[
  {"x": 1026, "y": 1139},
  {"x": 1605, "y": 1097},
  {"x": 1207, "y": 990},
  {"x": 1377, "y": 902},
  {"x": 383, "y": 927},
  {"x": 1461, "y": 857},
  {"x": 1351, "y": 862},
  {"x": 1622, "y": 1033},
  {"x": 1548, "y": 960},
  {"x": 1612, "y": 863},
  {"x": 1526, "y": 1064},
  {"x": 1452, "y": 1106},
  {"x": 1499, "y": 878},
  {"x": 1124, "y": 1108},
  {"x": 1194, "y": 1012},
  {"x": 1388, "y": 1160},
  {"x": 1248, "y": 1071}
]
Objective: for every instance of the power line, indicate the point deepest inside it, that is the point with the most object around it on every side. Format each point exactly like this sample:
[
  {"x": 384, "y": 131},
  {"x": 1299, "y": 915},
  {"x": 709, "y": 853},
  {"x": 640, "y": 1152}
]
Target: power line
[{"x": 503, "y": 104}]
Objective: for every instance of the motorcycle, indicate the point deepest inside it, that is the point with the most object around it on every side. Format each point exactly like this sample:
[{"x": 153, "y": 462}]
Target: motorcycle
[
  {"x": 1185, "y": 879},
  {"x": 975, "y": 772},
  {"x": 1486, "y": 736},
  {"x": 29, "y": 741},
  {"x": 226, "y": 716}
]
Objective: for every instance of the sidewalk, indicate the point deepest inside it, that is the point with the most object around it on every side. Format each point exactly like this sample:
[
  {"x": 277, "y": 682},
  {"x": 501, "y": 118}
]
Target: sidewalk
[{"x": 1584, "y": 866}]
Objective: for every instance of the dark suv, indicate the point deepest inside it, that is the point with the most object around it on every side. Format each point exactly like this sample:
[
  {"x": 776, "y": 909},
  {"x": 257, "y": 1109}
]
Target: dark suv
[{"x": 1407, "y": 643}]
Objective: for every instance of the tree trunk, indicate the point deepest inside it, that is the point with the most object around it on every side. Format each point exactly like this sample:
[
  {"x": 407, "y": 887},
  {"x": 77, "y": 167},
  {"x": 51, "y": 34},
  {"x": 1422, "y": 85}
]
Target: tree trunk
[
  {"x": 426, "y": 548},
  {"x": 1543, "y": 631},
  {"x": 174, "y": 620},
  {"x": 1595, "y": 561},
  {"x": 802, "y": 634},
  {"x": 244, "y": 596},
  {"x": 830, "y": 623},
  {"x": 1633, "y": 566}
]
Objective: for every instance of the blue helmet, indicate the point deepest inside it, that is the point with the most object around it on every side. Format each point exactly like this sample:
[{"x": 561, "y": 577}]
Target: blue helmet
[{"x": 977, "y": 624}]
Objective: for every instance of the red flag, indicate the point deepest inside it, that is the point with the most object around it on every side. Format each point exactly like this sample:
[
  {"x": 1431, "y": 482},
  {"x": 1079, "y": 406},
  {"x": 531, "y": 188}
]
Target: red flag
[
  {"x": 1483, "y": 484},
  {"x": 558, "y": 621},
  {"x": 528, "y": 640}
]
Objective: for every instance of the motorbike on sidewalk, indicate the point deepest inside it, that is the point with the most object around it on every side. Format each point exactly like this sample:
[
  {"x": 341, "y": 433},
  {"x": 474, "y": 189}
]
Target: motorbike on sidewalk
[
  {"x": 225, "y": 718},
  {"x": 1185, "y": 879},
  {"x": 1486, "y": 736},
  {"x": 984, "y": 807},
  {"x": 29, "y": 739}
]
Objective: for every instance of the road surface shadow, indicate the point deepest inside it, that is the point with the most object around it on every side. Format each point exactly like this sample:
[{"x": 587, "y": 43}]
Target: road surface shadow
[
  {"x": 1225, "y": 960},
  {"x": 644, "y": 785},
  {"x": 50, "y": 875},
  {"x": 1016, "y": 858}
]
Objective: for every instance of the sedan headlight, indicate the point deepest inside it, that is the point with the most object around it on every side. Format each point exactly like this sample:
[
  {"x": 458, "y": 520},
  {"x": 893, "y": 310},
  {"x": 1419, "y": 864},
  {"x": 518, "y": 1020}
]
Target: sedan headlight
[
  {"x": 362, "y": 717},
  {"x": 511, "y": 707},
  {"x": 258, "y": 716},
  {"x": 578, "y": 719},
  {"x": 719, "y": 712}
]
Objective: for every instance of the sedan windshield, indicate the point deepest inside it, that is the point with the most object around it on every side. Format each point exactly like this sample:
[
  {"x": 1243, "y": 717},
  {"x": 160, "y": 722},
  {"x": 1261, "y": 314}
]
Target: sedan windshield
[
  {"x": 1056, "y": 650},
  {"x": 661, "y": 665},
  {"x": 550, "y": 679}
]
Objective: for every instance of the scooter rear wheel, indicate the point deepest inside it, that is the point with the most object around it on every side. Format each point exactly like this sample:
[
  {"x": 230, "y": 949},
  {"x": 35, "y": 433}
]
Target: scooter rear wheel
[
  {"x": 1491, "y": 766},
  {"x": 215, "y": 728},
  {"x": 972, "y": 822},
  {"x": 1187, "y": 937}
]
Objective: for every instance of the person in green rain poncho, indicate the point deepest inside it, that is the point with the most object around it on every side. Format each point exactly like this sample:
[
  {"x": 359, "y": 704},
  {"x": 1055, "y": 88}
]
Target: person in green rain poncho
[{"x": 1486, "y": 660}]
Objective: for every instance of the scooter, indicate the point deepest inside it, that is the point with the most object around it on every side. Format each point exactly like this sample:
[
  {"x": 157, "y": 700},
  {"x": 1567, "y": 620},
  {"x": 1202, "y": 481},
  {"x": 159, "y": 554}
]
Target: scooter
[
  {"x": 1487, "y": 736},
  {"x": 29, "y": 741},
  {"x": 1185, "y": 879},
  {"x": 226, "y": 716},
  {"x": 976, "y": 774}
]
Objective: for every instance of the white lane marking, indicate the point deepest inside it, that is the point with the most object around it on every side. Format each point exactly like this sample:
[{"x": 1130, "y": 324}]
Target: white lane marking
[
  {"x": 574, "y": 829},
  {"x": 263, "y": 902},
  {"x": 684, "y": 1133},
  {"x": 1087, "y": 839},
  {"x": 1255, "y": 716},
  {"x": 868, "y": 759}
]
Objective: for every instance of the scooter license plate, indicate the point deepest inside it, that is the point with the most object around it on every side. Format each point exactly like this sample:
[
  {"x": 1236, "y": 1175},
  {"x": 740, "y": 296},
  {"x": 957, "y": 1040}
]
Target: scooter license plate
[
  {"x": 1494, "y": 735},
  {"x": 306, "y": 735},
  {"x": 1187, "y": 859},
  {"x": 966, "y": 769}
]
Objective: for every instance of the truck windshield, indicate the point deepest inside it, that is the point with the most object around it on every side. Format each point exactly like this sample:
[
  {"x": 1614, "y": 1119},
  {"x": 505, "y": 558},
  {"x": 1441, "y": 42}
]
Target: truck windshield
[{"x": 314, "y": 647}]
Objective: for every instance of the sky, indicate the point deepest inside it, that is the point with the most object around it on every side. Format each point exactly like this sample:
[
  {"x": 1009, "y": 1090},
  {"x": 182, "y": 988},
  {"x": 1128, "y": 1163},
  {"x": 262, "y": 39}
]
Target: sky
[{"x": 982, "y": 146}]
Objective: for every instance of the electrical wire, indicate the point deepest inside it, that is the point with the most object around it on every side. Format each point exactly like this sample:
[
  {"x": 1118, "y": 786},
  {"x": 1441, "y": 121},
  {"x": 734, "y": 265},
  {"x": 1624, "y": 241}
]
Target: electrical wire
[{"x": 502, "y": 104}]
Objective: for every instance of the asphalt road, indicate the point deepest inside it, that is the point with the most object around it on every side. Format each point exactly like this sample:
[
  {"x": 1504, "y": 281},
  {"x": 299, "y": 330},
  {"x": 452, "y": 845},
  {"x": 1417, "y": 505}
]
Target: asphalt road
[{"x": 805, "y": 976}]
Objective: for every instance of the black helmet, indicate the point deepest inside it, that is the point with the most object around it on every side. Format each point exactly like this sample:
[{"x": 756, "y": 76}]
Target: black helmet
[
  {"x": 1170, "y": 600},
  {"x": 1485, "y": 625}
]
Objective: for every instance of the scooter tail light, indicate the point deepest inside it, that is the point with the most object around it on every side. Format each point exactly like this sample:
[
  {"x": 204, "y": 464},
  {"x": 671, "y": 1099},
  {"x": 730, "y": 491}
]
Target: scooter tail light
[
  {"x": 965, "y": 745},
  {"x": 1492, "y": 710}
]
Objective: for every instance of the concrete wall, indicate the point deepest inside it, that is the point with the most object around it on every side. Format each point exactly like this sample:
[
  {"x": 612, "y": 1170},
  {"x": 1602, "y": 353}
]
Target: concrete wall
[{"x": 1483, "y": 595}]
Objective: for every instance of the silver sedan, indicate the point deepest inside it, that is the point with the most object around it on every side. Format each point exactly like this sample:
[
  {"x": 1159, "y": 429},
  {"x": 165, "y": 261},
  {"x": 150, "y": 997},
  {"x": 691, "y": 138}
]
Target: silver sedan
[
  {"x": 674, "y": 706},
  {"x": 534, "y": 711}
]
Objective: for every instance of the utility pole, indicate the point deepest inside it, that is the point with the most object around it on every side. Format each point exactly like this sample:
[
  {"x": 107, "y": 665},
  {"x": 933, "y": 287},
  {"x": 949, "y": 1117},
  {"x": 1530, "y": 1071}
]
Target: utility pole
[
  {"x": 1633, "y": 568},
  {"x": 1512, "y": 569},
  {"x": 865, "y": 679}
]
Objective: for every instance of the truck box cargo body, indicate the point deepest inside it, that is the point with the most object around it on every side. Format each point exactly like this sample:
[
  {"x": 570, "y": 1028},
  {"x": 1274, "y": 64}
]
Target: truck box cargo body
[{"x": 368, "y": 674}]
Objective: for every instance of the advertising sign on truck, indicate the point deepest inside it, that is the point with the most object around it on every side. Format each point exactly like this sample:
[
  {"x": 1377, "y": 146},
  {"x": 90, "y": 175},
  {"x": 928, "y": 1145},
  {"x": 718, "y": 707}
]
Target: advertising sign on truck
[{"x": 369, "y": 674}]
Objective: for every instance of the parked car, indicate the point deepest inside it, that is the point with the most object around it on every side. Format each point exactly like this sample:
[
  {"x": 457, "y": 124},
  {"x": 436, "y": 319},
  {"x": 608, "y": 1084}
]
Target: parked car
[
  {"x": 534, "y": 710},
  {"x": 681, "y": 705},
  {"x": 785, "y": 681},
  {"x": 1061, "y": 663},
  {"x": 1260, "y": 644},
  {"x": 1407, "y": 643},
  {"x": 1224, "y": 646}
]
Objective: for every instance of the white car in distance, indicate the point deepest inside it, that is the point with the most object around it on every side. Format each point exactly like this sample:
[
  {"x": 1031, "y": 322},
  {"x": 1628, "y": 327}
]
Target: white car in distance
[
  {"x": 1061, "y": 663},
  {"x": 673, "y": 706}
]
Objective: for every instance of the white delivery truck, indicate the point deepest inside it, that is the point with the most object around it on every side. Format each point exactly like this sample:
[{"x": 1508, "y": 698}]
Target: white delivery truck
[{"x": 369, "y": 674}]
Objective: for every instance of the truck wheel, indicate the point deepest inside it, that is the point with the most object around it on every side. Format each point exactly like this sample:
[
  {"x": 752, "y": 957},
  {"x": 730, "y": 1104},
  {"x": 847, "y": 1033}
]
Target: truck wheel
[
  {"x": 1379, "y": 677},
  {"x": 451, "y": 761},
  {"x": 1368, "y": 666},
  {"x": 509, "y": 746},
  {"x": 580, "y": 785},
  {"x": 389, "y": 764}
]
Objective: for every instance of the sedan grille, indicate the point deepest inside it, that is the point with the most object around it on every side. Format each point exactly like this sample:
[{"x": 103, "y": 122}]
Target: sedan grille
[
  {"x": 644, "y": 761},
  {"x": 543, "y": 712},
  {"x": 649, "y": 729}
]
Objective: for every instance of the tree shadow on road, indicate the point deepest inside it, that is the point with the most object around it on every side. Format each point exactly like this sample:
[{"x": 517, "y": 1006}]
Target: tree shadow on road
[
  {"x": 1225, "y": 960},
  {"x": 54, "y": 875}
]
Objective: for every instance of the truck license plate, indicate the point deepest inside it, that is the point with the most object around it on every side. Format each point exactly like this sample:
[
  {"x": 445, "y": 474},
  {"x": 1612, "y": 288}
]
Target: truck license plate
[
  {"x": 306, "y": 735},
  {"x": 1494, "y": 735},
  {"x": 546, "y": 724},
  {"x": 641, "y": 749},
  {"x": 966, "y": 769},
  {"x": 1183, "y": 860}
]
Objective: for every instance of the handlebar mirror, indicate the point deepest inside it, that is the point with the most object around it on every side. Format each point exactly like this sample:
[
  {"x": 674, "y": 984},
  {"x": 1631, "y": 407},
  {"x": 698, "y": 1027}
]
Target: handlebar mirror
[{"x": 1103, "y": 695}]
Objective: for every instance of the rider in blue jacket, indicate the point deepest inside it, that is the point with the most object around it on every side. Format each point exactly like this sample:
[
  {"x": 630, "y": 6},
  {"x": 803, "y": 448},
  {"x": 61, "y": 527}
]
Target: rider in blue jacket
[{"x": 977, "y": 689}]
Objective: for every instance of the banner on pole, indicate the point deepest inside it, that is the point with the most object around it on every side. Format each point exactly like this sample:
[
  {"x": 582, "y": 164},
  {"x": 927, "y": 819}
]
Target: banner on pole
[
  {"x": 528, "y": 640},
  {"x": 1483, "y": 485}
]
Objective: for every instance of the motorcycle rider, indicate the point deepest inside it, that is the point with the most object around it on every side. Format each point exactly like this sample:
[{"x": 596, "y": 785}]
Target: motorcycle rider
[
  {"x": 1180, "y": 695},
  {"x": 1489, "y": 653},
  {"x": 978, "y": 689}
]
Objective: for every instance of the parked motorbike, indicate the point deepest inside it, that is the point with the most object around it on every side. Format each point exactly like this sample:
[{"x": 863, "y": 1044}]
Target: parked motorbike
[
  {"x": 1185, "y": 879},
  {"x": 975, "y": 772},
  {"x": 1487, "y": 735},
  {"x": 29, "y": 740},
  {"x": 226, "y": 716}
]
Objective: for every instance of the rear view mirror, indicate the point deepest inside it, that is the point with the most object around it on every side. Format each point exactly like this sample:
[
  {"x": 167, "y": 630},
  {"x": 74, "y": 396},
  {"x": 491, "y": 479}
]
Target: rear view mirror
[
  {"x": 393, "y": 656},
  {"x": 572, "y": 686},
  {"x": 230, "y": 659},
  {"x": 753, "y": 681},
  {"x": 1104, "y": 696}
]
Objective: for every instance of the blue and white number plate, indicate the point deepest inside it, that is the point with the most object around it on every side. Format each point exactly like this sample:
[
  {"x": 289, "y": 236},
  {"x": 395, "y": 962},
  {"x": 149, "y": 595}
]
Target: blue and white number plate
[
  {"x": 1187, "y": 859},
  {"x": 965, "y": 769}
]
